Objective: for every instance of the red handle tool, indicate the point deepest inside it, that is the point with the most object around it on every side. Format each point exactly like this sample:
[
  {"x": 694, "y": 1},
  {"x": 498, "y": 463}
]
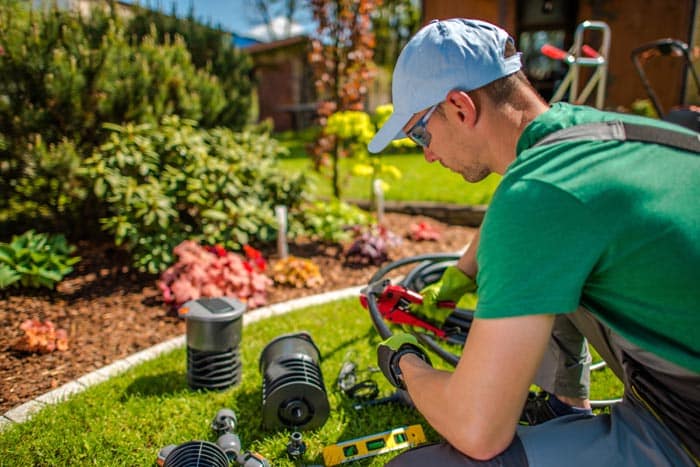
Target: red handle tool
[{"x": 393, "y": 304}]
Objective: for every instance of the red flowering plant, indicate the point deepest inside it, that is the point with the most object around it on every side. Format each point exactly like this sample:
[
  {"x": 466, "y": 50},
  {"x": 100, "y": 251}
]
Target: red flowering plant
[
  {"x": 423, "y": 231},
  {"x": 212, "y": 271},
  {"x": 40, "y": 337}
]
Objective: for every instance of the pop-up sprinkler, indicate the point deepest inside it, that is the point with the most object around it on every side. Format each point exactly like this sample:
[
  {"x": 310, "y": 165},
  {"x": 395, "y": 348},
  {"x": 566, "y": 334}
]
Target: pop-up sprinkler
[{"x": 214, "y": 328}]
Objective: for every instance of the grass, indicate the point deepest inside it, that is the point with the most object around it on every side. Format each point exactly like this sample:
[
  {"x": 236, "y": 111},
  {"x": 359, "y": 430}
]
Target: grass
[
  {"x": 420, "y": 181},
  {"x": 128, "y": 419}
]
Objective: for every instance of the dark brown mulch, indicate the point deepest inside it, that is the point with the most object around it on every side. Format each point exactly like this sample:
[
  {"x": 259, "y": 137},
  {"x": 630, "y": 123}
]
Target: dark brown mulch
[{"x": 111, "y": 311}]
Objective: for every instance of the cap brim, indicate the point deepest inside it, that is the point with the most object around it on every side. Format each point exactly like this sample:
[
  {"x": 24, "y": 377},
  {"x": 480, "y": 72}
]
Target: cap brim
[{"x": 391, "y": 130}]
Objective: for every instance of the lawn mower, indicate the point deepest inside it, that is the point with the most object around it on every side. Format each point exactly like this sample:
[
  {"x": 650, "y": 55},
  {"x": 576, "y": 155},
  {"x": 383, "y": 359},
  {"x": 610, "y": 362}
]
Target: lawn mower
[
  {"x": 687, "y": 116},
  {"x": 387, "y": 302}
]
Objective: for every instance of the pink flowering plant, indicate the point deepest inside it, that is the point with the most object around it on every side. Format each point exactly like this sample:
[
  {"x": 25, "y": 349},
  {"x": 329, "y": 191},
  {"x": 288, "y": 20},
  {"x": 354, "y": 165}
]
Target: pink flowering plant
[{"x": 212, "y": 271}]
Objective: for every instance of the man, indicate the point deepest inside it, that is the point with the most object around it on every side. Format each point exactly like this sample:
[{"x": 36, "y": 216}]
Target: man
[{"x": 593, "y": 235}]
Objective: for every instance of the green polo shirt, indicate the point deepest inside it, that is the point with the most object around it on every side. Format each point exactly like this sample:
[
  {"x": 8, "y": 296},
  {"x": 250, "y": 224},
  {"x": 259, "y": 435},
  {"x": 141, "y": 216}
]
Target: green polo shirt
[{"x": 612, "y": 225}]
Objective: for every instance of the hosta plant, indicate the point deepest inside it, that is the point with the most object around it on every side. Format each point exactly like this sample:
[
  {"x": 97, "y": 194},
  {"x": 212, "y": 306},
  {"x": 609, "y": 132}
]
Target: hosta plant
[
  {"x": 297, "y": 272},
  {"x": 203, "y": 271},
  {"x": 371, "y": 247},
  {"x": 35, "y": 260},
  {"x": 40, "y": 337},
  {"x": 423, "y": 231},
  {"x": 331, "y": 222}
]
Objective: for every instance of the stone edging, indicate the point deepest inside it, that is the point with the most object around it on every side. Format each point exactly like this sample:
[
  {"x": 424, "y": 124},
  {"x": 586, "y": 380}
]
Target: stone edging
[
  {"x": 23, "y": 412},
  {"x": 452, "y": 214}
]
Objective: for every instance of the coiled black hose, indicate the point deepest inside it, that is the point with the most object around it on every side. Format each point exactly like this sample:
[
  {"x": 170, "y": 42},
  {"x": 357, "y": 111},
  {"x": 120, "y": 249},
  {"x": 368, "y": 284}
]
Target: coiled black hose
[{"x": 430, "y": 270}]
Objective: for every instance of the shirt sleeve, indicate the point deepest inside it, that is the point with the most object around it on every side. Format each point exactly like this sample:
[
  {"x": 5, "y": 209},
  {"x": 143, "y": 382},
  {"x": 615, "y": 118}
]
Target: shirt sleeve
[{"x": 538, "y": 245}]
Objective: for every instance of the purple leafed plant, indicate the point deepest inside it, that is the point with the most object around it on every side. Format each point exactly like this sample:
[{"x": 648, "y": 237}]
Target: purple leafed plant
[{"x": 371, "y": 246}]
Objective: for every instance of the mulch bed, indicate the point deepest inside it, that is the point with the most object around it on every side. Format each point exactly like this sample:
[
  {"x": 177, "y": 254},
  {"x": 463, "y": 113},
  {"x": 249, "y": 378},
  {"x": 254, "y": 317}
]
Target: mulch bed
[{"x": 111, "y": 311}]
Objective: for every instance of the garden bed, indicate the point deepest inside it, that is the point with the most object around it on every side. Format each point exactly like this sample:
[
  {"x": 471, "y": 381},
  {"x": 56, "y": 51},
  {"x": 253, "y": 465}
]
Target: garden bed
[{"x": 111, "y": 311}]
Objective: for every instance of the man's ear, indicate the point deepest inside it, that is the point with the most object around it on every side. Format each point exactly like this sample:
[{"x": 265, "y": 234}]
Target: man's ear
[{"x": 460, "y": 104}]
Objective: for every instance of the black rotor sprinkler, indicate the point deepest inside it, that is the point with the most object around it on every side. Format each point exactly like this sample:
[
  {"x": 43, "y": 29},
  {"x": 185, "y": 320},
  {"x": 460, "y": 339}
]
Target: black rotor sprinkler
[{"x": 294, "y": 395}]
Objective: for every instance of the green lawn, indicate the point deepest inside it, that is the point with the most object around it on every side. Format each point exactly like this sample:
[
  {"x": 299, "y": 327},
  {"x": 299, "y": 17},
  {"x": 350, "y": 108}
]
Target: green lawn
[
  {"x": 128, "y": 419},
  {"x": 420, "y": 181}
]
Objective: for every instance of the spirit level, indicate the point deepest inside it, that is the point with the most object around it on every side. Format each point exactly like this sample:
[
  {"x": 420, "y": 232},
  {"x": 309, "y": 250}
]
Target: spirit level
[{"x": 372, "y": 445}]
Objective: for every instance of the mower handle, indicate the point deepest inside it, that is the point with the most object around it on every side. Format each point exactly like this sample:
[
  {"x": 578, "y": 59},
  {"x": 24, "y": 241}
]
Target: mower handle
[
  {"x": 661, "y": 47},
  {"x": 665, "y": 46}
]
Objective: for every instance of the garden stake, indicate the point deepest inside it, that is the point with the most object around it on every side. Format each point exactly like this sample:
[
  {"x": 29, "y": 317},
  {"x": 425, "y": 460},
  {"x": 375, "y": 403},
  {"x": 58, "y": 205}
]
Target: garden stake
[{"x": 282, "y": 248}]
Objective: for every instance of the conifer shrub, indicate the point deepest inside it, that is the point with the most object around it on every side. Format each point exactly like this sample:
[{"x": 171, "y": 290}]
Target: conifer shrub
[
  {"x": 211, "y": 50},
  {"x": 63, "y": 76}
]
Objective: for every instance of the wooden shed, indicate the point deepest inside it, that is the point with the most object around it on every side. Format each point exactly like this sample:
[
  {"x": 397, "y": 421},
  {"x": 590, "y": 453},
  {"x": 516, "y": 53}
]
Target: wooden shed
[{"x": 285, "y": 88}]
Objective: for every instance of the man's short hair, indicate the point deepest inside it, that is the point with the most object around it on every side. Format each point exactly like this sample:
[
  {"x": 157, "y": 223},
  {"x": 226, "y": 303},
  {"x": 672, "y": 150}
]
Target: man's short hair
[{"x": 503, "y": 89}]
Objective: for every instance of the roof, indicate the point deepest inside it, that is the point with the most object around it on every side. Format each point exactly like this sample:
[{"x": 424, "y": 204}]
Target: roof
[
  {"x": 278, "y": 44},
  {"x": 243, "y": 41}
]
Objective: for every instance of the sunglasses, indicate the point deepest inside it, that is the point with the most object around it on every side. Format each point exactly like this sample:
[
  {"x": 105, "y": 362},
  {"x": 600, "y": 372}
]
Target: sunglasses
[{"x": 418, "y": 133}]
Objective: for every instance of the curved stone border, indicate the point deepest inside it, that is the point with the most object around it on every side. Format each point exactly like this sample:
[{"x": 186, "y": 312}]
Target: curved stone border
[{"x": 23, "y": 412}]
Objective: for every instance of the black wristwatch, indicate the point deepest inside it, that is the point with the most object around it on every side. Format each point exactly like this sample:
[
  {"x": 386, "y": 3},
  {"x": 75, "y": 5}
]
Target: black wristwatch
[{"x": 403, "y": 350}]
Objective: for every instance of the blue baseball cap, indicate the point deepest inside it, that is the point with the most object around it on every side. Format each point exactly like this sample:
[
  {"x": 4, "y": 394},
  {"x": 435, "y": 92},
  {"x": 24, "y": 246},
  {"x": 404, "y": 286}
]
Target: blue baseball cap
[{"x": 457, "y": 53}]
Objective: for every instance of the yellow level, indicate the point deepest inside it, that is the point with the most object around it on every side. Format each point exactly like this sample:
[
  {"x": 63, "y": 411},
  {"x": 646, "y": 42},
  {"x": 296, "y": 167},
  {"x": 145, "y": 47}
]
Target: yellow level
[{"x": 372, "y": 445}]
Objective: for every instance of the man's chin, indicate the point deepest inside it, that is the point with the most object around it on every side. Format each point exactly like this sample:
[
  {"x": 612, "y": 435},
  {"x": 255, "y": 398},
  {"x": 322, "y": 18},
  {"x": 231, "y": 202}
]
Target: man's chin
[{"x": 473, "y": 177}]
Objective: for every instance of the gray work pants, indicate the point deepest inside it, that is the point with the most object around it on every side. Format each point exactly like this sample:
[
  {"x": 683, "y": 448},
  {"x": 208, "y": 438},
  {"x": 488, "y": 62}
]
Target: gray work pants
[{"x": 629, "y": 436}]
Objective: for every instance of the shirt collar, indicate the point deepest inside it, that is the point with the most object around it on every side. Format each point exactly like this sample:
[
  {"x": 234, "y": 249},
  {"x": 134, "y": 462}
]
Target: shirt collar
[{"x": 559, "y": 115}]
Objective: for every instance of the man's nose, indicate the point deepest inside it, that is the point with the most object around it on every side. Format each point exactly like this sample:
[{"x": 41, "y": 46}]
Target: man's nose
[{"x": 429, "y": 155}]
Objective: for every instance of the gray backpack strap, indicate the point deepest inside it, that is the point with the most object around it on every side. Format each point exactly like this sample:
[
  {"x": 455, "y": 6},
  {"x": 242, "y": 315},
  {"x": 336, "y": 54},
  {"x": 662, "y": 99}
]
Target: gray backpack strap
[{"x": 623, "y": 131}]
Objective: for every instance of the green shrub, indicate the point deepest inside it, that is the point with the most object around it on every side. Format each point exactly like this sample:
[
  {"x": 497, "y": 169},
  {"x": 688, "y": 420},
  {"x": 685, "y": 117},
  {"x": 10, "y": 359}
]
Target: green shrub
[
  {"x": 164, "y": 184},
  {"x": 63, "y": 76},
  {"x": 35, "y": 260},
  {"x": 329, "y": 221},
  {"x": 211, "y": 50},
  {"x": 47, "y": 186},
  {"x": 353, "y": 130}
]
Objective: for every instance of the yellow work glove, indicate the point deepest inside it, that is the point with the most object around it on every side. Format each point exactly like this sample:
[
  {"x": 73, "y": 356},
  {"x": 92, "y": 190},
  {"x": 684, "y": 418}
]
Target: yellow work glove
[{"x": 451, "y": 287}]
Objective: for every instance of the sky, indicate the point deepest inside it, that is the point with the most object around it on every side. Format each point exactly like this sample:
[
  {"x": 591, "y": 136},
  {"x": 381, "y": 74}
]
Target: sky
[{"x": 238, "y": 16}]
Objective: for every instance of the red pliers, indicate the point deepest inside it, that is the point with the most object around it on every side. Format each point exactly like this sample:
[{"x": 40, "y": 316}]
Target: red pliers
[{"x": 393, "y": 302}]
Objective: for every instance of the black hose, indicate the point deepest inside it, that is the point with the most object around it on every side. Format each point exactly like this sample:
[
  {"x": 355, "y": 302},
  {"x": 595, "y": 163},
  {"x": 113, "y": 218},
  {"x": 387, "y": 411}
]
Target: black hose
[
  {"x": 373, "y": 292},
  {"x": 410, "y": 260},
  {"x": 410, "y": 282}
]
